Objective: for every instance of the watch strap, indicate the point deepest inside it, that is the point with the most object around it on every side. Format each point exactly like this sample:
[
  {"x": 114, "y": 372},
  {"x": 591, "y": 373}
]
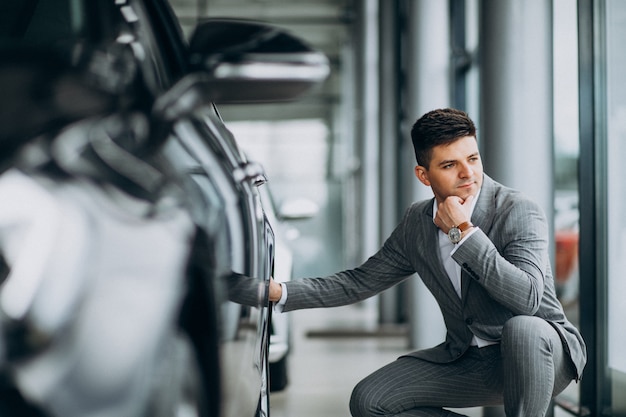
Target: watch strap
[{"x": 465, "y": 226}]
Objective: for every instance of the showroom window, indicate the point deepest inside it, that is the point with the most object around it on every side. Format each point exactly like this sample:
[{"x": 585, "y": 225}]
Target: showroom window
[
  {"x": 603, "y": 246},
  {"x": 613, "y": 204}
]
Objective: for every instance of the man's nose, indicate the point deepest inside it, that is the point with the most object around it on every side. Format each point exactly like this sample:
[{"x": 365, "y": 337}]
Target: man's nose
[{"x": 466, "y": 170}]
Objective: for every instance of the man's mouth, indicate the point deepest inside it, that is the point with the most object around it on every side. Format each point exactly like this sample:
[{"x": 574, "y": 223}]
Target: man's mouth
[{"x": 467, "y": 185}]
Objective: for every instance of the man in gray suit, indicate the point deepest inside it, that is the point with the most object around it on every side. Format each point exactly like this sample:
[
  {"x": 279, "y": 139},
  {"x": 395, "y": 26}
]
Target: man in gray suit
[{"x": 482, "y": 250}]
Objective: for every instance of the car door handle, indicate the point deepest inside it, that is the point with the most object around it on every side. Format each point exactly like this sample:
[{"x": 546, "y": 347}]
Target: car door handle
[{"x": 250, "y": 171}]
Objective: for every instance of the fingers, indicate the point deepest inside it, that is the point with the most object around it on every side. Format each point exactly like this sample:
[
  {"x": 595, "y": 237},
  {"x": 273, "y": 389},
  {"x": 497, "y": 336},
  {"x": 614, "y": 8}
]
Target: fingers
[
  {"x": 276, "y": 291},
  {"x": 438, "y": 222},
  {"x": 452, "y": 212}
]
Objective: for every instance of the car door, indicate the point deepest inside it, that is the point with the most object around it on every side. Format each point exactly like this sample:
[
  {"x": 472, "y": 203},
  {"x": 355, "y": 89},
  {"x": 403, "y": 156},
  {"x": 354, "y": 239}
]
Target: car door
[{"x": 245, "y": 249}]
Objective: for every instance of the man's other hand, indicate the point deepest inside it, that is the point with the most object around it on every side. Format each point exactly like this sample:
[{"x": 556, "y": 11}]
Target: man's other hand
[{"x": 276, "y": 291}]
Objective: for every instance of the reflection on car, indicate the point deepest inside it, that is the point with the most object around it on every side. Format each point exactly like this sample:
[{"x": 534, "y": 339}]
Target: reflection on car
[{"x": 162, "y": 142}]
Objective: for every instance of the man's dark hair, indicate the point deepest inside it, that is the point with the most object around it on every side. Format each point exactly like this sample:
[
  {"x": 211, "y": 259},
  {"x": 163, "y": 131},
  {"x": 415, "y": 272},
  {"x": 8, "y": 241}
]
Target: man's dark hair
[{"x": 439, "y": 127}]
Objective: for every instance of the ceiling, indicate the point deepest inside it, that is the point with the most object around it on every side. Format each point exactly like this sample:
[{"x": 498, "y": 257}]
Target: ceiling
[{"x": 324, "y": 24}]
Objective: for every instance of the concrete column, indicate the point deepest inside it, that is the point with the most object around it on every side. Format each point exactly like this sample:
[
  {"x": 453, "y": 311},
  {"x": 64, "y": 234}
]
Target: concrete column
[
  {"x": 427, "y": 67},
  {"x": 369, "y": 121},
  {"x": 516, "y": 134},
  {"x": 516, "y": 100},
  {"x": 390, "y": 301}
]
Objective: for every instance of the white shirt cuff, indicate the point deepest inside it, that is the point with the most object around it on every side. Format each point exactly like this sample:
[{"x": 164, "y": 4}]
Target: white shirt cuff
[{"x": 471, "y": 232}]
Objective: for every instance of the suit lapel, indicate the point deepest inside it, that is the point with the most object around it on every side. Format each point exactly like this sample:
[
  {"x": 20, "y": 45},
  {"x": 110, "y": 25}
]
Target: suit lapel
[{"x": 435, "y": 263}]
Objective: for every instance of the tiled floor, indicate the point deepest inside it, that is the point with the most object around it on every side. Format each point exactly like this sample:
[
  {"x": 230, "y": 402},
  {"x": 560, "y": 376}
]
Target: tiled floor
[{"x": 324, "y": 369}]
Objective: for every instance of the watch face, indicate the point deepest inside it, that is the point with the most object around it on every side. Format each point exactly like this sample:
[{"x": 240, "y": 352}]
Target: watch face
[{"x": 454, "y": 234}]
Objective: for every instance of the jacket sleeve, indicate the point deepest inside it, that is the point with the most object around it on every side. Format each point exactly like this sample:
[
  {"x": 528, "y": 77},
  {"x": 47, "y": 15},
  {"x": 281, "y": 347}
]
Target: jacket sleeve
[
  {"x": 511, "y": 259},
  {"x": 388, "y": 267}
]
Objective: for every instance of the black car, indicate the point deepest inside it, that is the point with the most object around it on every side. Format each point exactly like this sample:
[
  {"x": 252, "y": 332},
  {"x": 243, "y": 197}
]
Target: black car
[{"x": 133, "y": 50}]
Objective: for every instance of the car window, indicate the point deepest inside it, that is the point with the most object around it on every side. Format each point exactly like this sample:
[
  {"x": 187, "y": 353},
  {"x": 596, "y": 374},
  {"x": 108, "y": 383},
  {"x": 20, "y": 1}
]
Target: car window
[
  {"x": 168, "y": 35},
  {"x": 62, "y": 24},
  {"x": 159, "y": 39},
  {"x": 225, "y": 145},
  {"x": 190, "y": 154},
  {"x": 142, "y": 39},
  {"x": 41, "y": 23}
]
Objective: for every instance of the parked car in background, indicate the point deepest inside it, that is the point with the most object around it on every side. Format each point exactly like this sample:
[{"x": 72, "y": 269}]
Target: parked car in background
[
  {"x": 566, "y": 236},
  {"x": 218, "y": 362}
]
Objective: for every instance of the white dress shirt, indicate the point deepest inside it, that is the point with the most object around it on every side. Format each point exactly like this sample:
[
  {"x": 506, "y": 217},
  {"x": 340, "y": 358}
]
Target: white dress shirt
[{"x": 447, "y": 249}]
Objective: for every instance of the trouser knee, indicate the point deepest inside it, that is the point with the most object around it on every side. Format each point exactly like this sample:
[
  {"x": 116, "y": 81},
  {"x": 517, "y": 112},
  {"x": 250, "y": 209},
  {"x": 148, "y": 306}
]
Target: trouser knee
[
  {"x": 535, "y": 367},
  {"x": 525, "y": 331},
  {"x": 361, "y": 403}
]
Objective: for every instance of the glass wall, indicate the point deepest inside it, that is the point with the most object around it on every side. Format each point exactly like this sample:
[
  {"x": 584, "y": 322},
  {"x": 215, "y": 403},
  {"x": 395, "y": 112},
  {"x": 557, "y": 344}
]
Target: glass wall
[
  {"x": 566, "y": 152},
  {"x": 603, "y": 243},
  {"x": 615, "y": 204},
  {"x": 566, "y": 156}
]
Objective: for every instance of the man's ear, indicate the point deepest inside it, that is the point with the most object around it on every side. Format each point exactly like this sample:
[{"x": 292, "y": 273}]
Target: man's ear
[{"x": 422, "y": 174}]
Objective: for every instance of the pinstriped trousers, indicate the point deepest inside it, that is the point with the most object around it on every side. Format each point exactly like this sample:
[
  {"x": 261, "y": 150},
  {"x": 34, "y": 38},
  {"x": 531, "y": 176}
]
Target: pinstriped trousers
[{"x": 523, "y": 372}]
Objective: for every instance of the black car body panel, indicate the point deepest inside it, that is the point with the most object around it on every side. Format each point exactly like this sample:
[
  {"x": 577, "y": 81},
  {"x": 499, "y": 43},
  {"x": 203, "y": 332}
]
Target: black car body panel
[{"x": 131, "y": 56}]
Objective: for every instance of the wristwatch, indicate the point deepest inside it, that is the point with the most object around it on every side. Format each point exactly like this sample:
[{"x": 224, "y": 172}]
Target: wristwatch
[{"x": 456, "y": 232}]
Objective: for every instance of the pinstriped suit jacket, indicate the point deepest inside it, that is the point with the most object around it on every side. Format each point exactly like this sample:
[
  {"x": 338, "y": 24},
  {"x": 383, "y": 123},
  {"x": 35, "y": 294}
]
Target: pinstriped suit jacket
[{"x": 505, "y": 272}]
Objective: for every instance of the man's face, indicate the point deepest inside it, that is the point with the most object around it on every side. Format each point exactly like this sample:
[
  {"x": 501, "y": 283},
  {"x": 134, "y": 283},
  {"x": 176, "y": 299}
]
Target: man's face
[{"x": 455, "y": 169}]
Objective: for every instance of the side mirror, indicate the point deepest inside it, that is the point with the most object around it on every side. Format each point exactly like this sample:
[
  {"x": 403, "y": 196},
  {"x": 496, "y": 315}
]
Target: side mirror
[{"x": 250, "y": 62}]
